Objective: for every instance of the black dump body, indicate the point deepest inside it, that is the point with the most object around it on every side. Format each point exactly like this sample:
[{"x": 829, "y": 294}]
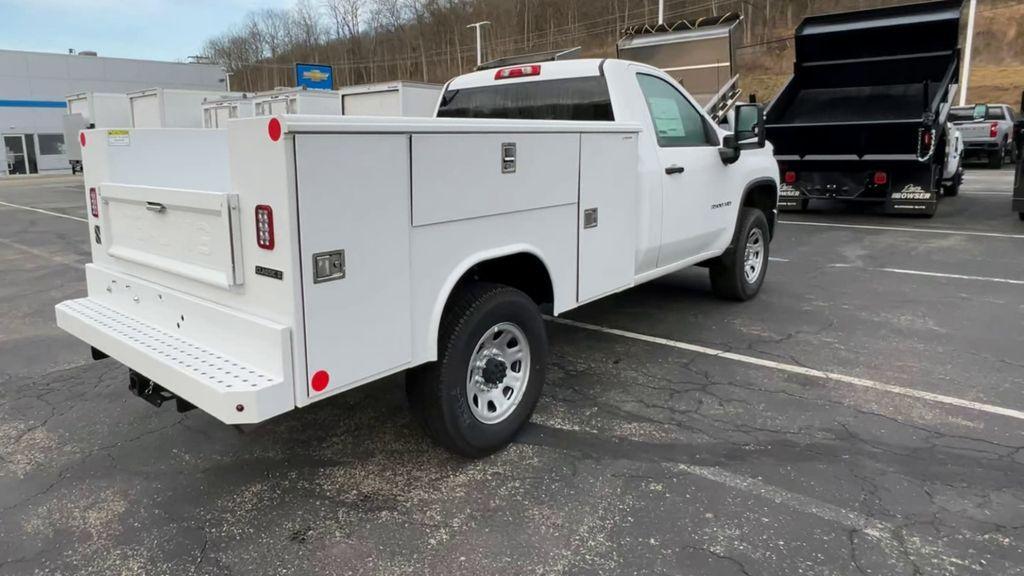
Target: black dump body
[{"x": 866, "y": 86}]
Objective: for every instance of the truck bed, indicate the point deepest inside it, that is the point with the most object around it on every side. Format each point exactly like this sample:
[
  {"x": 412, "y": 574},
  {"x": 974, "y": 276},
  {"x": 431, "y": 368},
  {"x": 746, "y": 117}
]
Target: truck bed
[{"x": 857, "y": 104}]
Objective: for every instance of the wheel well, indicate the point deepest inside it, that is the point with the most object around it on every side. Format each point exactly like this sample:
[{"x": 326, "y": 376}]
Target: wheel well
[
  {"x": 764, "y": 197},
  {"x": 522, "y": 271}
]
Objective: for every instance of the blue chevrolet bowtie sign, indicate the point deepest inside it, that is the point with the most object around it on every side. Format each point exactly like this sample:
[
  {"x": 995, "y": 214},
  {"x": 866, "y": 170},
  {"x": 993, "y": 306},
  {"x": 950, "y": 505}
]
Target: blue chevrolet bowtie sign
[{"x": 314, "y": 76}]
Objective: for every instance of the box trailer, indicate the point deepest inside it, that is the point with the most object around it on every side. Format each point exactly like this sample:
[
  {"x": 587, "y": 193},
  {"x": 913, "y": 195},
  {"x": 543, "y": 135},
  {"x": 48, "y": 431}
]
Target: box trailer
[
  {"x": 297, "y": 101},
  {"x": 168, "y": 107},
  {"x": 863, "y": 118},
  {"x": 217, "y": 111},
  {"x": 390, "y": 99},
  {"x": 92, "y": 110}
]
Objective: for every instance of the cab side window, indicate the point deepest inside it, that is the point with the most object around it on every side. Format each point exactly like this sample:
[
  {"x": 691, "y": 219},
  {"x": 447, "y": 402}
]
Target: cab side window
[{"x": 676, "y": 122}]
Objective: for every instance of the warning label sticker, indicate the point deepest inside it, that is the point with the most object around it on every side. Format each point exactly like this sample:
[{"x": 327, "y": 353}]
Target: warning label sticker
[{"x": 118, "y": 138}]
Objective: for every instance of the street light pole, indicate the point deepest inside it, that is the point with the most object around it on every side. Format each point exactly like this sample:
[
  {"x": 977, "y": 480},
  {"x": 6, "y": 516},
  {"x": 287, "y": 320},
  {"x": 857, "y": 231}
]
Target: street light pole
[
  {"x": 967, "y": 53},
  {"x": 479, "y": 48},
  {"x": 661, "y": 11}
]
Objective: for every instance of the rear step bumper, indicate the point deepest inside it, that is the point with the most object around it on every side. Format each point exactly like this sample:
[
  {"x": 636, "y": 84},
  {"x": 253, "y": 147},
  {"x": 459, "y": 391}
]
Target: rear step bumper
[{"x": 230, "y": 390}]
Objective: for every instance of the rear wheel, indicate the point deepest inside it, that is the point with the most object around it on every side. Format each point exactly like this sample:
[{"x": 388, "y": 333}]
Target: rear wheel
[
  {"x": 953, "y": 188},
  {"x": 1020, "y": 215},
  {"x": 492, "y": 351},
  {"x": 739, "y": 273}
]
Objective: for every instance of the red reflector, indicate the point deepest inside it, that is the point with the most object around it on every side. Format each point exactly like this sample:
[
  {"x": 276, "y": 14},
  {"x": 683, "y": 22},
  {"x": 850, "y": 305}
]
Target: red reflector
[
  {"x": 881, "y": 178},
  {"x": 790, "y": 177},
  {"x": 993, "y": 130},
  {"x": 517, "y": 72},
  {"x": 265, "y": 227},
  {"x": 926, "y": 139},
  {"x": 94, "y": 203},
  {"x": 320, "y": 380},
  {"x": 274, "y": 129},
  {"x": 81, "y": 138}
]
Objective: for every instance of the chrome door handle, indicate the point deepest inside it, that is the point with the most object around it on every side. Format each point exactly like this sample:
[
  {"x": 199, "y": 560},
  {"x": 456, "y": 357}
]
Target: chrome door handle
[
  {"x": 674, "y": 170},
  {"x": 156, "y": 207}
]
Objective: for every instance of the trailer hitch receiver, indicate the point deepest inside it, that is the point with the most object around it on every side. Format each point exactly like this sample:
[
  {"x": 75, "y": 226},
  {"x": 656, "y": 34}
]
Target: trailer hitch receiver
[{"x": 154, "y": 393}]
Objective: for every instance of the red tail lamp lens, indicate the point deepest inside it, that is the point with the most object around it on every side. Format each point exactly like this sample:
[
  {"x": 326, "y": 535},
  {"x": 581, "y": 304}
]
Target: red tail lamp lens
[
  {"x": 265, "y": 227},
  {"x": 993, "y": 130},
  {"x": 94, "y": 203},
  {"x": 881, "y": 178},
  {"x": 790, "y": 177}
]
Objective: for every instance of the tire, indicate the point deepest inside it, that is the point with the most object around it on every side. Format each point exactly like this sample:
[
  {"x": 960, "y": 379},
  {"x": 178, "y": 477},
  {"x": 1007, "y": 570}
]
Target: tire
[
  {"x": 1020, "y": 215},
  {"x": 995, "y": 159},
  {"x": 729, "y": 277},
  {"x": 1011, "y": 153},
  {"x": 439, "y": 393},
  {"x": 953, "y": 188}
]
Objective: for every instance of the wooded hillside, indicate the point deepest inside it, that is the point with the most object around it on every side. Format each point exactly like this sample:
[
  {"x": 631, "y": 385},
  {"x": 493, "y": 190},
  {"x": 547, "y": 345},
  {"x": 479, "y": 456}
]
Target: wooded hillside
[{"x": 427, "y": 40}]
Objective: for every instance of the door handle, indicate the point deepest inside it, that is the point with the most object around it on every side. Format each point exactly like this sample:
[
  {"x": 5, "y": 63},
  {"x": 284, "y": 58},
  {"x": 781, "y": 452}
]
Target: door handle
[
  {"x": 156, "y": 207},
  {"x": 674, "y": 170}
]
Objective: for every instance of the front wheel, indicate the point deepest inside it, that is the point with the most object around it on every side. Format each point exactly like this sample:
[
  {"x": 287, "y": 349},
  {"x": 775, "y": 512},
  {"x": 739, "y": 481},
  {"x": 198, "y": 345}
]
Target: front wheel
[
  {"x": 492, "y": 351},
  {"x": 739, "y": 273}
]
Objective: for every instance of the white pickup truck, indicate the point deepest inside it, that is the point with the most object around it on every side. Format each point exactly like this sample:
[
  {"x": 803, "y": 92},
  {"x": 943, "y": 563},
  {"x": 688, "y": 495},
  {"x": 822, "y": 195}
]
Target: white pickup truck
[{"x": 283, "y": 260}]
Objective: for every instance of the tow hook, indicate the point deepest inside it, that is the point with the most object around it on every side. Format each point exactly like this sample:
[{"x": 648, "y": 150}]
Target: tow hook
[{"x": 154, "y": 393}]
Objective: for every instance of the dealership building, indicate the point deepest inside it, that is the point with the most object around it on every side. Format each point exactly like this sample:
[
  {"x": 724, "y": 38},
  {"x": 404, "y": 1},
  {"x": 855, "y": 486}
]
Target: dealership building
[{"x": 34, "y": 86}]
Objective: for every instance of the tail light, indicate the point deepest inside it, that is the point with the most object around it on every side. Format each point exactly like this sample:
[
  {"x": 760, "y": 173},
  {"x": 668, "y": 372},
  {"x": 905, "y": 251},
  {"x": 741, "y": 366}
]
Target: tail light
[
  {"x": 94, "y": 203},
  {"x": 881, "y": 178},
  {"x": 993, "y": 130},
  {"x": 790, "y": 177},
  {"x": 265, "y": 227},
  {"x": 517, "y": 72}
]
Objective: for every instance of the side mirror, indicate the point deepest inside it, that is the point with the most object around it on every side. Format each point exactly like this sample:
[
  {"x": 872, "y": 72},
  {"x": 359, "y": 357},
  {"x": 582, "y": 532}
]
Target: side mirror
[
  {"x": 750, "y": 132},
  {"x": 980, "y": 111}
]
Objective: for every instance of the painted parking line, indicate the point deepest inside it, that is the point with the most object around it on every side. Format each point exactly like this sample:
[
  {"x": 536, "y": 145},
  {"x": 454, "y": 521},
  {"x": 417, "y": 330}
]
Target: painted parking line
[
  {"x": 776, "y": 259},
  {"x": 41, "y": 211},
  {"x": 904, "y": 229},
  {"x": 794, "y": 369},
  {"x": 932, "y": 274}
]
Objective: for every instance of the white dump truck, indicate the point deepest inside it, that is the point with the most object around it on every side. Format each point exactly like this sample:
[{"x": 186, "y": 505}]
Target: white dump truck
[
  {"x": 92, "y": 110},
  {"x": 288, "y": 259},
  {"x": 410, "y": 99}
]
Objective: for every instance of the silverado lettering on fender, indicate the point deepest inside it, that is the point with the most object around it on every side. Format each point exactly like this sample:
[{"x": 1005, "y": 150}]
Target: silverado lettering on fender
[{"x": 283, "y": 260}]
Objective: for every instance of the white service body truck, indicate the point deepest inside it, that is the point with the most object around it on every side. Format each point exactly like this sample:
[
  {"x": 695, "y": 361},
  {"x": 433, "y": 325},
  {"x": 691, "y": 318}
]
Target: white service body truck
[
  {"x": 92, "y": 110},
  {"x": 410, "y": 99},
  {"x": 217, "y": 111},
  {"x": 170, "y": 107},
  {"x": 297, "y": 101},
  {"x": 291, "y": 258}
]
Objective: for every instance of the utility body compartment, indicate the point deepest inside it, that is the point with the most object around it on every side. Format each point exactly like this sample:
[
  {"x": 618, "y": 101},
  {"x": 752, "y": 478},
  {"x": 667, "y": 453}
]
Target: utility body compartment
[
  {"x": 372, "y": 224},
  {"x": 869, "y": 88}
]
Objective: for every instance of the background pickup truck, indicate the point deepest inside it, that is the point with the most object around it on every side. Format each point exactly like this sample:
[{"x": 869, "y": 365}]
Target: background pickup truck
[
  {"x": 987, "y": 131},
  {"x": 287, "y": 259}
]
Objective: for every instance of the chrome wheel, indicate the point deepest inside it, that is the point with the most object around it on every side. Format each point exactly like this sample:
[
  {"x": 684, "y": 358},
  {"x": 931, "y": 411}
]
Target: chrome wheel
[
  {"x": 499, "y": 371},
  {"x": 754, "y": 256}
]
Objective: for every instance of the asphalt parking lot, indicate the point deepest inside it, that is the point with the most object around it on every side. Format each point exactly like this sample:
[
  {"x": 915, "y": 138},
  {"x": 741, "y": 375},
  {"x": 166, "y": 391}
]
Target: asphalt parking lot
[{"x": 864, "y": 415}]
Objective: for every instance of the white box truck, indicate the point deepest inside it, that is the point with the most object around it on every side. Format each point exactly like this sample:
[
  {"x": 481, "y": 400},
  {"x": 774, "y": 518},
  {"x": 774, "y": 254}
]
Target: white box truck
[
  {"x": 297, "y": 101},
  {"x": 217, "y": 111},
  {"x": 302, "y": 256},
  {"x": 169, "y": 107},
  {"x": 92, "y": 110},
  {"x": 410, "y": 99}
]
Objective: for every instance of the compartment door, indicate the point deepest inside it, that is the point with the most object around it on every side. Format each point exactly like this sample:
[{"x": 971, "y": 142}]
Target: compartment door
[
  {"x": 354, "y": 221},
  {"x": 607, "y": 217}
]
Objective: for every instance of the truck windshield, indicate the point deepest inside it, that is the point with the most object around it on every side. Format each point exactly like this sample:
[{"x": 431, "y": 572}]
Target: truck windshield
[{"x": 584, "y": 98}]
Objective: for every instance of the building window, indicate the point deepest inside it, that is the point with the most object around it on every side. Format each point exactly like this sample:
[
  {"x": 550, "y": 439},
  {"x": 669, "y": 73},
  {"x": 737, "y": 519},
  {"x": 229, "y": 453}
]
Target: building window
[{"x": 51, "y": 144}]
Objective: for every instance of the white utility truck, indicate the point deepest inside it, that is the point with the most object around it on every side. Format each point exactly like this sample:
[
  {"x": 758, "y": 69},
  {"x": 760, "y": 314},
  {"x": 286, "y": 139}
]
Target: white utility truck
[
  {"x": 410, "y": 99},
  {"x": 297, "y": 101},
  {"x": 169, "y": 107},
  {"x": 287, "y": 259},
  {"x": 217, "y": 111},
  {"x": 92, "y": 110}
]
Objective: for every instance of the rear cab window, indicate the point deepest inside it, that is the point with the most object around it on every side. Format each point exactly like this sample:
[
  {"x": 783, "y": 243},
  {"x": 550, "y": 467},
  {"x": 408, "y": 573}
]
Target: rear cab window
[{"x": 583, "y": 98}]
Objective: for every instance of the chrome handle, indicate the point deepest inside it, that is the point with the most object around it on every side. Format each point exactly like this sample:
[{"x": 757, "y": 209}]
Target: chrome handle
[{"x": 156, "y": 207}]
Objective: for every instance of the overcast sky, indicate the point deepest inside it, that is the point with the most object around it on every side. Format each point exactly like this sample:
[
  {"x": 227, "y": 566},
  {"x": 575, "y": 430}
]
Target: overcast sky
[{"x": 149, "y": 29}]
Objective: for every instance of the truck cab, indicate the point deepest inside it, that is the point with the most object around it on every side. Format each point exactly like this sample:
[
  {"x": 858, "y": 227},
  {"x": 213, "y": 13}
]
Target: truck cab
[{"x": 688, "y": 195}]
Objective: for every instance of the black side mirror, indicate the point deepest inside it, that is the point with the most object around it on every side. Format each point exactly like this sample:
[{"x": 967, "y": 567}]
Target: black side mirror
[{"x": 750, "y": 132}]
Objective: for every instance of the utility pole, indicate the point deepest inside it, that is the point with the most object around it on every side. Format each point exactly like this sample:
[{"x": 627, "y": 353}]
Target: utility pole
[
  {"x": 479, "y": 47},
  {"x": 661, "y": 11},
  {"x": 967, "y": 53}
]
